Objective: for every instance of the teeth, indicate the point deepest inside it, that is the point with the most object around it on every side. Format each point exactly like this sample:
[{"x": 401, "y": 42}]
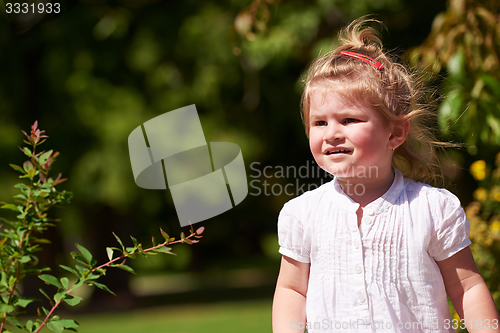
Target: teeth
[{"x": 338, "y": 151}]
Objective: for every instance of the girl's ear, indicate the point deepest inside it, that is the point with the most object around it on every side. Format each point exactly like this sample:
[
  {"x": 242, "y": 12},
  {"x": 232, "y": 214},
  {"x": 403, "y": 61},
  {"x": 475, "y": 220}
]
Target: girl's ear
[{"x": 399, "y": 133}]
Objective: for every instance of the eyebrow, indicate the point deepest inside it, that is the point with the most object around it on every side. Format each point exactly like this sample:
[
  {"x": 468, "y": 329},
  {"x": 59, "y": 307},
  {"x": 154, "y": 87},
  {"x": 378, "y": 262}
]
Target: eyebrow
[
  {"x": 316, "y": 116},
  {"x": 341, "y": 113}
]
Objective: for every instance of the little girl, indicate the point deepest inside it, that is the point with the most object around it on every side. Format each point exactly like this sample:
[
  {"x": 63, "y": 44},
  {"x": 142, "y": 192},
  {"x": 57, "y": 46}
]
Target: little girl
[{"x": 374, "y": 250}]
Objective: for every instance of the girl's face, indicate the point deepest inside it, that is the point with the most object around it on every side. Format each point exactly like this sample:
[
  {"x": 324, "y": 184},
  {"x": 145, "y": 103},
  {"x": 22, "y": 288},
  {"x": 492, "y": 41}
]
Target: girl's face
[{"x": 348, "y": 139}]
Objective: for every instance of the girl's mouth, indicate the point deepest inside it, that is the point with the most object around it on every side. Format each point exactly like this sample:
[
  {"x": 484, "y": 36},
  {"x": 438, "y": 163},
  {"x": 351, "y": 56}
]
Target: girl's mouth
[{"x": 338, "y": 151}]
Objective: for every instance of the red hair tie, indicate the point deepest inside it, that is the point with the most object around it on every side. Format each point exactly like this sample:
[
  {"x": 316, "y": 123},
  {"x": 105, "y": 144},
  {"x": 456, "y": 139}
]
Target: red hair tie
[{"x": 363, "y": 57}]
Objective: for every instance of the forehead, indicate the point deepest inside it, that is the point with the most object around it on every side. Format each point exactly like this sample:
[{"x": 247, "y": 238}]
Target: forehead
[{"x": 322, "y": 100}]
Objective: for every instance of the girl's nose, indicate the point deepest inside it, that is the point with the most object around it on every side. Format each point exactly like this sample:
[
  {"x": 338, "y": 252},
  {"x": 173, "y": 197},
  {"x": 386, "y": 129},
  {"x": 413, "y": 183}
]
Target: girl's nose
[{"x": 332, "y": 133}]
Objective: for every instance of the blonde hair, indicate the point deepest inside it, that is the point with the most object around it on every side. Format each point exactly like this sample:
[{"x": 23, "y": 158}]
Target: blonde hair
[{"x": 393, "y": 91}]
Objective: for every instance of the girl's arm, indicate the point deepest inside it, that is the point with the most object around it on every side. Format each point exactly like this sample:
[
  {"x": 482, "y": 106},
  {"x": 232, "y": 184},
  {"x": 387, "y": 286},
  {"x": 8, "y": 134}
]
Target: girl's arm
[
  {"x": 289, "y": 305},
  {"x": 468, "y": 292}
]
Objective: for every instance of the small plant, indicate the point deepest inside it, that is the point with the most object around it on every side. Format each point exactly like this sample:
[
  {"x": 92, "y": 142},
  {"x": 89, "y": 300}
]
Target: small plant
[{"x": 20, "y": 240}]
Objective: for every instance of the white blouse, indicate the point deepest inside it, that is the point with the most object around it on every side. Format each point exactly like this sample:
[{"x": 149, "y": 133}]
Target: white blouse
[{"x": 381, "y": 276}]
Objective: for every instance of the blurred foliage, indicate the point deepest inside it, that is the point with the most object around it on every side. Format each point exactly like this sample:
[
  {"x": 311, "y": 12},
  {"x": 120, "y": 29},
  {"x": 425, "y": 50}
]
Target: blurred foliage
[
  {"x": 465, "y": 42},
  {"x": 484, "y": 217},
  {"x": 92, "y": 75}
]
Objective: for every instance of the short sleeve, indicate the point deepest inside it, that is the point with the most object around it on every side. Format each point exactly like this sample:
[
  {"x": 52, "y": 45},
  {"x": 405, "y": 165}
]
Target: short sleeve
[
  {"x": 450, "y": 225},
  {"x": 291, "y": 236}
]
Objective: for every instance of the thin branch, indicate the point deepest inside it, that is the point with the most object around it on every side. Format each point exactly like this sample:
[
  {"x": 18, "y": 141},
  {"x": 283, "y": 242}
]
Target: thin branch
[{"x": 108, "y": 264}]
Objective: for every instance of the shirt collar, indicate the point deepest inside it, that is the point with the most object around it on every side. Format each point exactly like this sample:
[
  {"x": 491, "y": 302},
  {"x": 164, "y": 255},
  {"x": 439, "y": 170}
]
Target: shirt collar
[{"x": 379, "y": 204}]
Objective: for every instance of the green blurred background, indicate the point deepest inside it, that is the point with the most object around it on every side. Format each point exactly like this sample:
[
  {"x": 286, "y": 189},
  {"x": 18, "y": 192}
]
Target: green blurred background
[{"x": 94, "y": 74}]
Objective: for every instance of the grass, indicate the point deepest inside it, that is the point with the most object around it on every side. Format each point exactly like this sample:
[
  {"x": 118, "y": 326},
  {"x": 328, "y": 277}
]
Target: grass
[{"x": 226, "y": 317}]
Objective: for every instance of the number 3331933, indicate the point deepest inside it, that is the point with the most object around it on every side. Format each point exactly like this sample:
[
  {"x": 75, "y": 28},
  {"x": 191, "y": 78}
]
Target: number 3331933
[{"x": 25, "y": 8}]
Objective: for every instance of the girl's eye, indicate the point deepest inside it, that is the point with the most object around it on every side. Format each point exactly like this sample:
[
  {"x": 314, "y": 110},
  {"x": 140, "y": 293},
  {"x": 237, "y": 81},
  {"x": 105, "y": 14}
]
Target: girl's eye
[
  {"x": 320, "y": 123},
  {"x": 349, "y": 120}
]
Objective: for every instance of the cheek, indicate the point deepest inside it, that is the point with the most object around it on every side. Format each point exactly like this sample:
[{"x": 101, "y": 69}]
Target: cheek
[
  {"x": 315, "y": 143},
  {"x": 363, "y": 138},
  {"x": 370, "y": 139}
]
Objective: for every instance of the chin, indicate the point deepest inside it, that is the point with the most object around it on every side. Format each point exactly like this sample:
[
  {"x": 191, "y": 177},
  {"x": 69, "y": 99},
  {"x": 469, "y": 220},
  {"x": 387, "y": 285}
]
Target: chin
[{"x": 342, "y": 172}]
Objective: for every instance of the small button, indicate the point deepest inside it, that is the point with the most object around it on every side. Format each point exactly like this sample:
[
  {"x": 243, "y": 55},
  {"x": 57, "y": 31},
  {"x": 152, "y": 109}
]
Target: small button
[
  {"x": 362, "y": 297},
  {"x": 356, "y": 244},
  {"x": 370, "y": 212},
  {"x": 359, "y": 270},
  {"x": 368, "y": 221}
]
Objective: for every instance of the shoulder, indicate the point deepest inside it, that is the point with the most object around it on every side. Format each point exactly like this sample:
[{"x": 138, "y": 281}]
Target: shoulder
[
  {"x": 442, "y": 208},
  {"x": 436, "y": 197}
]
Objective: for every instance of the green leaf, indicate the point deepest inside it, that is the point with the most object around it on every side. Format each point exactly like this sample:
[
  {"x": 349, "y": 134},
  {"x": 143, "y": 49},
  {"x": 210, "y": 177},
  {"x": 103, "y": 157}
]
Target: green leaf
[
  {"x": 13, "y": 320},
  {"x": 44, "y": 293},
  {"x": 22, "y": 215},
  {"x": 23, "y": 302},
  {"x": 3, "y": 280},
  {"x": 44, "y": 157},
  {"x": 164, "y": 234},
  {"x": 29, "y": 325},
  {"x": 119, "y": 241},
  {"x": 6, "y": 308},
  {"x": 492, "y": 83},
  {"x": 82, "y": 270},
  {"x": 15, "y": 208},
  {"x": 24, "y": 259},
  {"x": 79, "y": 258},
  {"x": 21, "y": 186},
  {"x": 78, "y": 283},
  {"x": 28, "y": 166},
  {"x": 65, "y": 283},
  {"x": 17, "y": 168},
  {"x": 20, "y": 196},
  {"x": 45, "y": 311},
  {"x": 59, "y": 296},
  {"x": 27, "y": 152},
  {"x": 86, "y": 254},
  {"x": 92, "y": 277},
  {"x": 40, "y": 240},
  {"x": 59, "y": 325},
  {"x": 126, "y": 268},
  {"x": 164, "y": 249},
  {"x": 103, "y": 287},
  {"x": 12, "y": 281},
  {"x": 110, "y": 253},
  {"x": 49, "y": 279},
  {"x": 72, "y": 300},
  {"x": 69, "y": 269},
  {"x": 131, "y": 250},
  {"x": 456, "y": 65}
]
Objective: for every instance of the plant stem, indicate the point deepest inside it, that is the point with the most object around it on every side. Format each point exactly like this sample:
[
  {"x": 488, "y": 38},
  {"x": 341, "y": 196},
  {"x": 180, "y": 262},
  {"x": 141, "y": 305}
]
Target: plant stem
[
  {"x": 126, "y": 255},
  {"x": 107, "y": 264}
]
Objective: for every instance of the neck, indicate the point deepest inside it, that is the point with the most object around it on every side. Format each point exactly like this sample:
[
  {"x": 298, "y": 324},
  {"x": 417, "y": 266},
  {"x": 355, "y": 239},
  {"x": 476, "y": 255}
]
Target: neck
[{"x": 366, "y": 190}]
